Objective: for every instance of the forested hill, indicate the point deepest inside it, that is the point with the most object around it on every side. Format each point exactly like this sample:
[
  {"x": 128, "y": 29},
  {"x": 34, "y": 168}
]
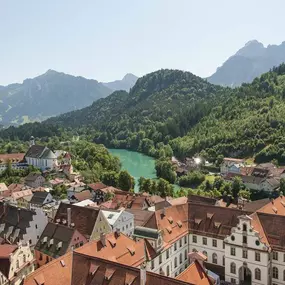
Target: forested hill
[{"x": 178, "y": 109}]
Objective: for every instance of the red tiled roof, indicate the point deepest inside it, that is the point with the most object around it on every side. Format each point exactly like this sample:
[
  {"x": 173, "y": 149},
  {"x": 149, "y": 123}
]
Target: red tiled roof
[
  {"x": 13, "y": 157},
  {"x": 56, "y": 272},
  {"x": 97, "y": 186},
  {"x": 194, "y": 274},
  {"x": 275, "y": 207},
  {"x": 83, "y": 195},
  {"x": 233, "y": 159},
  {"x": 6, "y": 250}
]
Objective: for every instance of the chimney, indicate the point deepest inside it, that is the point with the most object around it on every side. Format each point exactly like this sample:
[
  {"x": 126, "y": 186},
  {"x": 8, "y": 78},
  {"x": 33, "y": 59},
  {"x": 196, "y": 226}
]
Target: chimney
[
  {"x": 143, "y": 274},
  {"x": 68, "y": 217},
  {"x": 103, "y": 239}
]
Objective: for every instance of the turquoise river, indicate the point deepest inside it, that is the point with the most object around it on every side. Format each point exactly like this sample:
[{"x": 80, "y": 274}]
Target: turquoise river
[{"x": 136, "y": 164}]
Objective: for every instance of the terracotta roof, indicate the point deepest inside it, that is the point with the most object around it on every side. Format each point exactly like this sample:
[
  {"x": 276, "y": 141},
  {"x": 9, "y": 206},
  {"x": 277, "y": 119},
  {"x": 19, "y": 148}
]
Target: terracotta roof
[
  {"x": 83, "y": 195},
  {"x": 255, "y": 223},
  {"x": 174, "y": 218},
  {"x": 155, "y": 199},
  {"x": 273, "y": 227},
  {"x": 275, "y": 207},
  {"x": 13, "y": 157},
  {"x": 84, "y": 218},
  {"x": 6, "y": 250},
  {"x": 178, "y": 201},
  {"x": 246, "y": 170},
  {"x": 211, "y": 220},
  {"x": 117, "y": 248},
  {"x": 194, "y": 274},
  {"x": 56, "y": 272},
  {"x": 138, "y": 202},
  {"x": 141, "y": 217},
  {"x": 97, "y": 186},
  {"x": 14, "y": 187},
  {"x": 20, "y": 194},
  {"x": 89, "y": 270}
]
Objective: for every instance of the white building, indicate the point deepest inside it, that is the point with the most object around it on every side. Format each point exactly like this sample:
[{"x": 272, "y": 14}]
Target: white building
[
  {"x": 16, "y": 263},
  {"x": 21, "y": 225},
  {"x": 120, "y": 220},
  {"x": 41, "y": 157},
  {"x": 231, "y": 165}
]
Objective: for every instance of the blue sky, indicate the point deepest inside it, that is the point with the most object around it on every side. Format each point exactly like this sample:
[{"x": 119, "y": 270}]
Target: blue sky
[{"x": 106, "y": 39}]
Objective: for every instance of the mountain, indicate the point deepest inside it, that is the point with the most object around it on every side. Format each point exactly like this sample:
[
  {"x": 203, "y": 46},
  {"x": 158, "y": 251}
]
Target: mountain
[
  {"x": 175, "y": 110},
  {"x": 126, "y": 83},
  {"x": 49, "y": 94},
  {"x": 248, "y": 63}
]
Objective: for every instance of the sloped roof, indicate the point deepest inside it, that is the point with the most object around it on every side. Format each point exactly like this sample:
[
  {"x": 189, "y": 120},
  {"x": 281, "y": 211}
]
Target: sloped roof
[
  {"x": 13, "y": 157},
  {"x": 93, "y": 270},
  {"x": 48, "y": 154},
  {"x": 58, "y": 234},
  {"x": 141, "y": 217},
  {"x": 118, "y": 247},
  {"x": 211, "y": 220},
  {"x": 35, "y": 151},
  {"x": 83, "y": 195},
  {"x": 97, "y": 186},
  {"x": 15, "y": 220},
  {"x": 202, "y": 200},
  {"x": 39, "y": 198},
  {"x": 32, "y": 176},
  {"x": 20, "y": 194},
  {"x": 3, "y": 187},
  {"x": 84, "y": 218},
  {"x": 275, "y": 207},
  {"x": 253, "y": 206},
  {"x": 56, "y": 272},
  {"x": 194, "y": 274}
]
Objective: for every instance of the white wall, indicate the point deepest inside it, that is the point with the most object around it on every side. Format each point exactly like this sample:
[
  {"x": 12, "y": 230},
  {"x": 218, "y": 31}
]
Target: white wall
[{"x": 125, "y": 223}]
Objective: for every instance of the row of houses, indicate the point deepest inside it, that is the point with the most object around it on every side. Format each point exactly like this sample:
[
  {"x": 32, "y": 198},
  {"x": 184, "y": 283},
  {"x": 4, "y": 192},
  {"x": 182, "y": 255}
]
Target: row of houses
[{"x": 265, "y": 176}]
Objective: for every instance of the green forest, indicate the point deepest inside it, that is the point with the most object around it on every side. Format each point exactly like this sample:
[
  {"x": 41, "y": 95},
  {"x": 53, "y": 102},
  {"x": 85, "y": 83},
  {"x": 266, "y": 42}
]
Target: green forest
[{"x": 171, "y": 111}]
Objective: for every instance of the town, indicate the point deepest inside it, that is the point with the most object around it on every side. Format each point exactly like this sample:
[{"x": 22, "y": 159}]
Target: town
[{"x": 97, "y": 232}]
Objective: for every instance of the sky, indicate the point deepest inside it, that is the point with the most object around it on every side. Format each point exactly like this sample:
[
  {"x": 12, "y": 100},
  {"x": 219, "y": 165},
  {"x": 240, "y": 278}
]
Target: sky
[{"x": 106, "y": 39}]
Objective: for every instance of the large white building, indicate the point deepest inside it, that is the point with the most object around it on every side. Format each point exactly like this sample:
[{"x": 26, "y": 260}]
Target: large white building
[{"x": 41, "y": 157}]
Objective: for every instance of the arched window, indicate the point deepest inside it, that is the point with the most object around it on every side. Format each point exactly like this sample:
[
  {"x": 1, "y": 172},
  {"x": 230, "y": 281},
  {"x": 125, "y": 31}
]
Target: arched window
[
  {"x": 180, "y": 258},
  {"x": 175, "y": 262},
  {"x": 186, "y": 254},
  {"x": 233, "y": 268},
  {"x": 275, "y": 273},
  {"x": 244, "y": 227},
  {"x": 214, "y": 258},
  {"x": 257, "y": 274},
  {"x": 167, "y": 270}
]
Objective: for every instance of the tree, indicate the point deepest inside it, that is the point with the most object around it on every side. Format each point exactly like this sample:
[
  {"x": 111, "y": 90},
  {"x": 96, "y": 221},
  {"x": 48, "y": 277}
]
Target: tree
[
  {"x": 236, "y": 186},
  {"x": 164, "y": 169},
  {"x": 244, "y": 194},
  {"x": 125, "y": 181},
  {"x": 164, "y": 188},
  {"x": 110, "y": 178},
  {"x": 282, "y": 185}
]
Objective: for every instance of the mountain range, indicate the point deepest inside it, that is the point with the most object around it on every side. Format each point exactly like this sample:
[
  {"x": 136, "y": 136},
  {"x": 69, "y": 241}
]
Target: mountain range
[
  {"x": 51, "y": 94},
  {"x": 248, "y": 63}
]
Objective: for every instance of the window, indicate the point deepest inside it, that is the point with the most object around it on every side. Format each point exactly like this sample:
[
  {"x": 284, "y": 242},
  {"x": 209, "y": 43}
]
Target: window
[
  {"x": 127, "y": 226},
  {"x": 36, "y": 226},
  {"x": 284, "y": 257},
  {"x": 167, "y": 254},
  {"x": 283, "y": 275},
  {"x": 194, "y": 239},
  {"x": 214, "y": 243},
  {"x": 233, "y": 251},
  {"x": 41, "y": 256},
  {"x": 233, "y": 268},
  {"x": 244, "y": 228},
  {"x": 185, "y": 239},
  {"x": 244, "y": 253},
  {"x": 180, "y": 243},
  {"x": 175, "y": 262},
  {"x": 223, "y": 260},
  {"x": 186, "y": 254},
  {"x": 214, "y": 258},
  {"x": 167, "y": 270},
  {"x": 275, "y": 255},
  {"x": 257, "y": 274},
  {"x": 275, "y": 273},
  {"x": 180, "y": 258},
  {"x": 244, "y": 239},
  {"x": 24, "y": 258},
  {"x": 152, "y": 264},
  {"x": 175, "y": 246},
  {"x": 233, "y": 281},
  {"x": 257, "y": 256},
  {"x": 204, "y": 241},
  {"x": 17, "y": 264},
  {"x": 160, "y": 259},
  {"x": 205, "y": 253}
]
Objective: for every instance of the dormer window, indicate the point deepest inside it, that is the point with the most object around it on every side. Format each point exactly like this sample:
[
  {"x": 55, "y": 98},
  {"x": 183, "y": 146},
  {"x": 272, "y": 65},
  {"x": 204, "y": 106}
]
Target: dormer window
[{"x": 170, "y": 220}]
